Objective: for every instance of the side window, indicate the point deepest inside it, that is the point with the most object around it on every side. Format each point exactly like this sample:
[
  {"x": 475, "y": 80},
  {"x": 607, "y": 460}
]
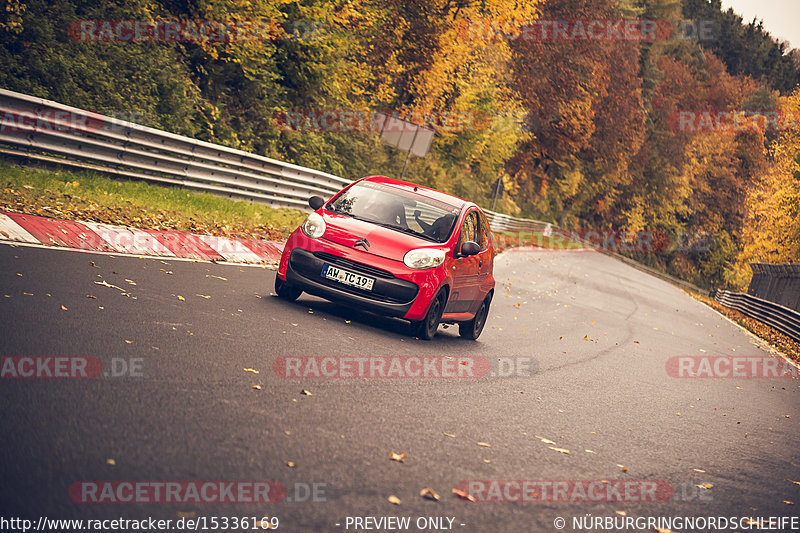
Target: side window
[
  {"x": 484, "y": 231},
  {"x": 469, "y": 230}
]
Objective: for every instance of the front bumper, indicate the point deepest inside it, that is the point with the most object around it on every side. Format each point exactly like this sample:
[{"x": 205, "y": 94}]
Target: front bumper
[{"x": 389, "y": 296}]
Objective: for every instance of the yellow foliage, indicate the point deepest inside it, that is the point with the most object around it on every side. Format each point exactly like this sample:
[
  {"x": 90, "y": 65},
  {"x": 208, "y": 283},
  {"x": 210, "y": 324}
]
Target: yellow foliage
[{"x": 772, "y": 224}]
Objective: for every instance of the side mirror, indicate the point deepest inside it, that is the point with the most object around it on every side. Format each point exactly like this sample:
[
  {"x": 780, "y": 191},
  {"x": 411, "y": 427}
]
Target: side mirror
[
  {"x": 470, "y": 248},
  {"x": 316, "y": 202}
]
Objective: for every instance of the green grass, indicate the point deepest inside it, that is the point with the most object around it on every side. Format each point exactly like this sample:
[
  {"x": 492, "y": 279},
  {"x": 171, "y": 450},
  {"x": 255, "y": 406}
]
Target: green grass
[{"x": 91, "y": 196}]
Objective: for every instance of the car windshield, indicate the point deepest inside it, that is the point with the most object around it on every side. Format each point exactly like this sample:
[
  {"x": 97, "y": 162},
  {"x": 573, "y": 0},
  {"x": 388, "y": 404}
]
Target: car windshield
[{"x": 397, "y": 209}]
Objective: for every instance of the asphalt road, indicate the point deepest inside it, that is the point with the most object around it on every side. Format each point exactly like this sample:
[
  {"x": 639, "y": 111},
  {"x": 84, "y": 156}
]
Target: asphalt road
[{"x": 598, "y": 332}]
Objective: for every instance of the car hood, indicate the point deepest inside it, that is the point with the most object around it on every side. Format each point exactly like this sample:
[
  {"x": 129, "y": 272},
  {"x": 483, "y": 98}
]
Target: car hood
[{"x": 383, "y": 242}]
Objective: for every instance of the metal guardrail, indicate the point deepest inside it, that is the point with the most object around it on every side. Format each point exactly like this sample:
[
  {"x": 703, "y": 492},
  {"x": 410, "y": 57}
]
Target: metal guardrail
[
  {"x": 501, "y": 222},
  {"x": 777, "y": 316},
  {"x": 776, "y": 283},
  {"x": 49, "y": 132}
]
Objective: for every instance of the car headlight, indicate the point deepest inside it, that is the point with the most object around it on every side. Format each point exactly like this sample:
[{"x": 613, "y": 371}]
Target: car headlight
[
  {"x": 314, "y": 226},
  {"x": 424, "y": 258}
]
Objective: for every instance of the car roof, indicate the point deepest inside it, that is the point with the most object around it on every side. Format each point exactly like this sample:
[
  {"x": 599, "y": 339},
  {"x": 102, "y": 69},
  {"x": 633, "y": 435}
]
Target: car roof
[{"x": 427, "y": 192}]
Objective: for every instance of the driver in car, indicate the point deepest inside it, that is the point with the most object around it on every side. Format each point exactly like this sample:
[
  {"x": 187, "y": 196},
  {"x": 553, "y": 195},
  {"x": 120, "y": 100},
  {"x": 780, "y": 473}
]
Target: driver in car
[{"x": 439, "y": 227}]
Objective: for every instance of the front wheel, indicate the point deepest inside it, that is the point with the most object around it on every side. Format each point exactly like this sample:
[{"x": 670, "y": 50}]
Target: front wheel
[
  {"x": 473, "y": 329},
  {"x": 286, "y": 290},
  {"x": 427, "y": 327}
]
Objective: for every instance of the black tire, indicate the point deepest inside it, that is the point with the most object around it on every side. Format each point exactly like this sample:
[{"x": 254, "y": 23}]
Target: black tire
[
  {"x": 286, "y": 290},
  {"x": 473, "y": 329},
  {"x": 428, "y": 326}
]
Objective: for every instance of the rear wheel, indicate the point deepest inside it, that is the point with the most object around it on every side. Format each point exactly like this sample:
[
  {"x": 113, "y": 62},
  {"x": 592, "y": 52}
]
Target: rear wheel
[
  {"x": 472, "y": 329},
  {"x": 286, "y": 290},
  {"x": 427, "y": 327}
]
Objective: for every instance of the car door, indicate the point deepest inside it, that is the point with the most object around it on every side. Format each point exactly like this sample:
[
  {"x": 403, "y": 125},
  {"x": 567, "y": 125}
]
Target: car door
[
  {"x": 465, "y": 269},
  {"x": 485, "y": 257}
]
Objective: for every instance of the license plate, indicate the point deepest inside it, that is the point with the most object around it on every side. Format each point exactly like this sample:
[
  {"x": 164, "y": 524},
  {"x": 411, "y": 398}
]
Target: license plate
[{"x": 347, "y": 277}]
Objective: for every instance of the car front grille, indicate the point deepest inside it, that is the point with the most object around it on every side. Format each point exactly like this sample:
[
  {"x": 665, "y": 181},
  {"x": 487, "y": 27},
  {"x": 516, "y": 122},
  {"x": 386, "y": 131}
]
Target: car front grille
[{"x": 353, "y": 265}]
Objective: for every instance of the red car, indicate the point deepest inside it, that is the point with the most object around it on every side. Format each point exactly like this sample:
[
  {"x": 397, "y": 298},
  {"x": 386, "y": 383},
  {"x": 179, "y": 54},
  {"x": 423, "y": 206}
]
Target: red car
[{"x": 397, "y": 249}]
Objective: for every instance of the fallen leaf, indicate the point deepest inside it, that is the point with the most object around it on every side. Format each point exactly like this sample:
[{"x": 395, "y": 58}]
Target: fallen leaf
[
  {"x": 257, "y": 387},
  {"x": 181, "y": 298},
  {"x": 210, "y": 276},
  {"x": 464, "y": 496},
  {"x": 623, "y": 468},
  {"x": 484, "y": 444},
  {"x": 251, "y": 370},
  {"x": 398, "y": 457},
  {"x": 589, "y": 451},
  {"x": 290, "y": 464},
  {"x": 92, "y": 297},
  {"x": 705, "y": 485},
  {"x": 560, "y": 450},
  {"x": 621, "y": 513},
  {"x": 429, "y": 494},
  {"x": 203, "y": 296},
  {"x": 128, "y": 342},
  {"x": 394, "y": 499},
  {"x": 451, "y": 435},
  {"x": 787, "y": 502},
  {"x": 546, "y": 441},
  {"x": 106, "y": 284},
  {"x": 111, "y": 462},
  {"x": 304, "y": 392},
  {"x": 63, "y": 308},
  {"x": 698, "y": 470}
]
